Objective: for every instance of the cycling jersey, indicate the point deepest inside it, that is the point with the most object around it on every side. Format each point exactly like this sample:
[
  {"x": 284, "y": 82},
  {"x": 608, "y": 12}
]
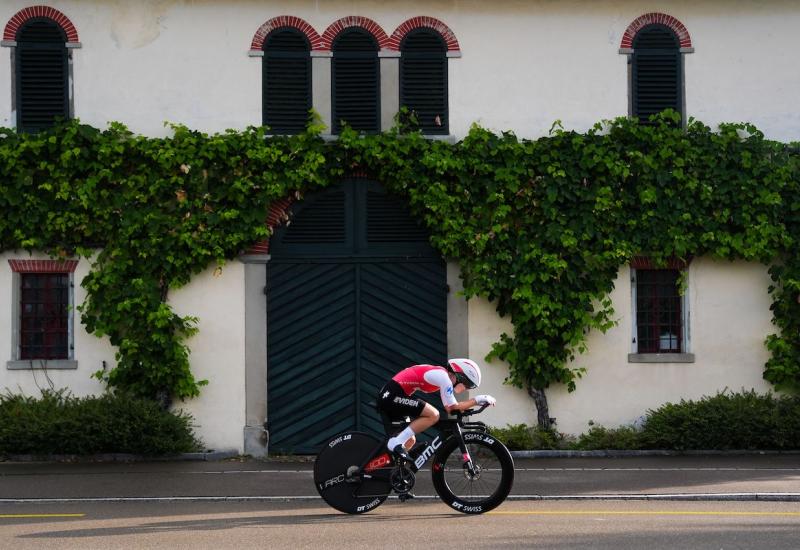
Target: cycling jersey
[{"x": 427, "y": 379}]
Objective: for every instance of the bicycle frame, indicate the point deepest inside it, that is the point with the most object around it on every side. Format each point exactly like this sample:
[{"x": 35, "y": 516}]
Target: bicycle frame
[{"x": 380, "y": 458}]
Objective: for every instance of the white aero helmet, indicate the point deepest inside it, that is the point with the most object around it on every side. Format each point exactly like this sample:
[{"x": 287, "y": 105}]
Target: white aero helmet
[{"x": 467, "y": 372}]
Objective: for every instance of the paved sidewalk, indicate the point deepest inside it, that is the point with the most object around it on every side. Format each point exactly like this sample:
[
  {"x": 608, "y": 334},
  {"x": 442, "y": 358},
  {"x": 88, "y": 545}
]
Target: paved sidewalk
[{"x": 747, "y": 477}]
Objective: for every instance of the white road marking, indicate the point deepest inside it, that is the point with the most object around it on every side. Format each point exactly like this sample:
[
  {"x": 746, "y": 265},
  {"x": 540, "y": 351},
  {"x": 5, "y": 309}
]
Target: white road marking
[{"x": 790, "y": 497}]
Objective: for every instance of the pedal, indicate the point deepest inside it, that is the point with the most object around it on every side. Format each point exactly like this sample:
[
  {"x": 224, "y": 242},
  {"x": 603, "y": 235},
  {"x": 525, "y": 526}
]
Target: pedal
[
  {"x": 405, "y": 496},
  {"x": 402, "y": 480}
]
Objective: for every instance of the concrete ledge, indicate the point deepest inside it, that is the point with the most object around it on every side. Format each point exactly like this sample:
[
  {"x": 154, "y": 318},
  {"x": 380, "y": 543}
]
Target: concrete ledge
[
  {"x": 42, "y": 364},
  {"x": 661, "y": 358},
  {"x": 254, "y": 258},
  {"x": 617, "y": 453},
  {"x": 449, "y": 138}
]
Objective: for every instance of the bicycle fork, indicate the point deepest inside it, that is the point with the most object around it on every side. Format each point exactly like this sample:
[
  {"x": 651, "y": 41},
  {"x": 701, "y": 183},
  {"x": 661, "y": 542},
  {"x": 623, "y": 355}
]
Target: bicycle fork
[{"x": 468, "y": 464}]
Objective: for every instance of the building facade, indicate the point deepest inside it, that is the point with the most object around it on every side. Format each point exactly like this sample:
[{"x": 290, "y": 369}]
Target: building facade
[{"x": 508, "y": 66}]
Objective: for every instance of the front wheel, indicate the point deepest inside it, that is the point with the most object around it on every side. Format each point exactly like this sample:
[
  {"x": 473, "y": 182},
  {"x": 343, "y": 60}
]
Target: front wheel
[
  {"x": 339, "y": 479},
  {"x": 479, "y": 490}
]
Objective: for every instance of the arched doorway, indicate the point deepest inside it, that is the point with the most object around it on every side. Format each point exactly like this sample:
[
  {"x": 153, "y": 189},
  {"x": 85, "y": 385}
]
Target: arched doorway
[{"x": 354, "y": 293}]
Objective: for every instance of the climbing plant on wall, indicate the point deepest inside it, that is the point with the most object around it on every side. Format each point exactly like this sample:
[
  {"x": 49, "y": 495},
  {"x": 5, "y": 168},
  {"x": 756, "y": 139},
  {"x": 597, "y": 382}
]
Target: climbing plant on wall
[{"x": 541, "y": 226}]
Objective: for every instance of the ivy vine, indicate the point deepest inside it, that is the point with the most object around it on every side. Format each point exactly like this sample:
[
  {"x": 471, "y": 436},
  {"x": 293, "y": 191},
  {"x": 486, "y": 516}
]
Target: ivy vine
[{"x": 541, "y": 226}]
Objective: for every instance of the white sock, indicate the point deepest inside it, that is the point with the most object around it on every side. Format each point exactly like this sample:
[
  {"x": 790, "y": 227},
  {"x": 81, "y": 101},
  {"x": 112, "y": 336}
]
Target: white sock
[{"x": 401, "y": 438}]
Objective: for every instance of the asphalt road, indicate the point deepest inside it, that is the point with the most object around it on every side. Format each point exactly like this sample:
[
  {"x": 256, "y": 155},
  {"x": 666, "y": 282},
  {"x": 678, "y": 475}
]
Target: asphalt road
[
  {"x": 722, "y": 502},
  {"x": 556, "y": 525},
  {"x": 742, "y": 477}
]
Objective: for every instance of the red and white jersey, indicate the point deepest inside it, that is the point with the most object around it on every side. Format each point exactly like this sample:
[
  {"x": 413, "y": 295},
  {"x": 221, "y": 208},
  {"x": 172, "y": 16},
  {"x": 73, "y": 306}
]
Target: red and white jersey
[{"x": 427, "y": 379}]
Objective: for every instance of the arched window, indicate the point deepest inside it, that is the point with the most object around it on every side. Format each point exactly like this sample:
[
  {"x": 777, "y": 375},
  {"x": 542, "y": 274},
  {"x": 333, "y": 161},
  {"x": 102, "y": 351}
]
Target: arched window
[
  {"x": 42, "y": 75},
  {"x": 286, "y": 81},
  {"x": 356, "y": 81},
  {"x": 656, "y": 72},
  {"x": 423, "y": 79}
]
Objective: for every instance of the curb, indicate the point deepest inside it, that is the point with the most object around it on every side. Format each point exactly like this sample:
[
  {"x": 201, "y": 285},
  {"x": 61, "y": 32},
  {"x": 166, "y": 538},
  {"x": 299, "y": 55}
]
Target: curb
[
  {"x": 611, "y": 453},
  {"x": 693, "y": 497},
  {"x": 209, "y": 456}
]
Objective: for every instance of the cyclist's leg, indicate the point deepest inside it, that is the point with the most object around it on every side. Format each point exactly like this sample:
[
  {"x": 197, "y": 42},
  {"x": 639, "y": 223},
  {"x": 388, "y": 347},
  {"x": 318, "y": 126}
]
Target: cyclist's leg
[
  {"x": 426, "y": 419},
  {"x": 396, "y": 405}
]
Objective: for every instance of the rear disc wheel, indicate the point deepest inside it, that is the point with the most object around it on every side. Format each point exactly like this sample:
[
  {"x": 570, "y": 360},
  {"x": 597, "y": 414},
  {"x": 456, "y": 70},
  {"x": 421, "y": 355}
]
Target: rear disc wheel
[{"x": 337, "y": 474}]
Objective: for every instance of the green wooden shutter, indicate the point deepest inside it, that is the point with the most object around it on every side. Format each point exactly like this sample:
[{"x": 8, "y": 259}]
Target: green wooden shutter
[
  {"x": 356, "y": 81},
  {"x": 42, "y": 75},
  {"x": 286, "y": 81},
  {"x": 656, "y": 72},
  {"x": 423, "y": 80},
  {"x": 311, "y": 344}
]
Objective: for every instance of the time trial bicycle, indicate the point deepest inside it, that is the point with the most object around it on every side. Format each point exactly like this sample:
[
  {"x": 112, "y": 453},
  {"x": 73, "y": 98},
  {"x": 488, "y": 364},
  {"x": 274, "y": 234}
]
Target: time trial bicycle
[{"x": 472, "y": 471}]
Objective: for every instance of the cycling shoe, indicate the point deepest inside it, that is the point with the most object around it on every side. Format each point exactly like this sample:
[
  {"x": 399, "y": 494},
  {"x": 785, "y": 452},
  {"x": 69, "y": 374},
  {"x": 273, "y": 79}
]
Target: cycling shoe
[
  {"x": 401, "y": 452},
  {"x": 405, "y": 496}
]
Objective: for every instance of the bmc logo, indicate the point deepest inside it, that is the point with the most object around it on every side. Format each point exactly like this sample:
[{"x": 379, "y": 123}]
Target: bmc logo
[{"x": 427, "y": 453}]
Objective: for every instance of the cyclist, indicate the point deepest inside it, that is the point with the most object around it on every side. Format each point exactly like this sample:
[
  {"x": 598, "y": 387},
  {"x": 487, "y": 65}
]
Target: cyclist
[{"x": 395, "y": 402}]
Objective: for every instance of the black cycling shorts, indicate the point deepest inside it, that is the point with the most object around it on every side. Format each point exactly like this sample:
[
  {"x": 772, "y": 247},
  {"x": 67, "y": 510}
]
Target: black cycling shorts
[{"x": 394, "y": 404}]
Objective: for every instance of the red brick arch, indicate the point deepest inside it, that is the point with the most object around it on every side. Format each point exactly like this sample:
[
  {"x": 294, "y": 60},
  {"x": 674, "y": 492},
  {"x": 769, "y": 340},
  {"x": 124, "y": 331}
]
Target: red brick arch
[
  {"x": 426, "y": 22},
  {"x": 278, "y": 215},
  {"x": 661, "y": 18},
  {"x": 43, "y": 266},
  {"x": 285, "y": 21},
  {"x": 25, "y": 14},
  {"x": 354, "y": 21}
]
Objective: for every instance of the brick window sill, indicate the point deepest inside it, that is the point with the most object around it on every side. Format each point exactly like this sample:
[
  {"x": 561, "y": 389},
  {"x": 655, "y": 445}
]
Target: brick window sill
[
  {"x": 42, "y": 364},
  {"x": 661, "y": 358}
]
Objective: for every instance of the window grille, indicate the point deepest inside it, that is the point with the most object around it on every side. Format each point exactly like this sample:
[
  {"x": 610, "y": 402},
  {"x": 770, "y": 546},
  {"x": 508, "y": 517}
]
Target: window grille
[
  {"x": 44, "y": 316},
  {"x": 659, "y": 316}
]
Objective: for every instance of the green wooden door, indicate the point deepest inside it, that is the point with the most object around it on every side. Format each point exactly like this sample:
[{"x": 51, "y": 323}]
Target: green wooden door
[{"x": 354, "y": 294}]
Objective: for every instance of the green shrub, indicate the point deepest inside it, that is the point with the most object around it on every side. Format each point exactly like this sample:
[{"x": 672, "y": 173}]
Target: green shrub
[
  {"x": 517, "y": 437},
  {"x": 599, "y": 437},
  {"x": 521, "y": 437},
  {"x": 58, "y": 423},
  {"x": 726, "y": 421}
]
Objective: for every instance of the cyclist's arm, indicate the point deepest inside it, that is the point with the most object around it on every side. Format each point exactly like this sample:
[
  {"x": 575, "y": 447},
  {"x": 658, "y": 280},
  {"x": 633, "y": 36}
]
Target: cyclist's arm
[
  {"x": 461, "y": 405},
  {"x": 440, "y": 378}
]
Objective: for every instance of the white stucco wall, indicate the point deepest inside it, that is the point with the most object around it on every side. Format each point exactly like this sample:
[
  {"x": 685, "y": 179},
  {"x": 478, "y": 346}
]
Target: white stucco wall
[
  {"x": 730, "y": 319},
  {"x": 217, "y": 351},
  {"x": 524, "y": 64},
  {"x": 217, "y": 299}
]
